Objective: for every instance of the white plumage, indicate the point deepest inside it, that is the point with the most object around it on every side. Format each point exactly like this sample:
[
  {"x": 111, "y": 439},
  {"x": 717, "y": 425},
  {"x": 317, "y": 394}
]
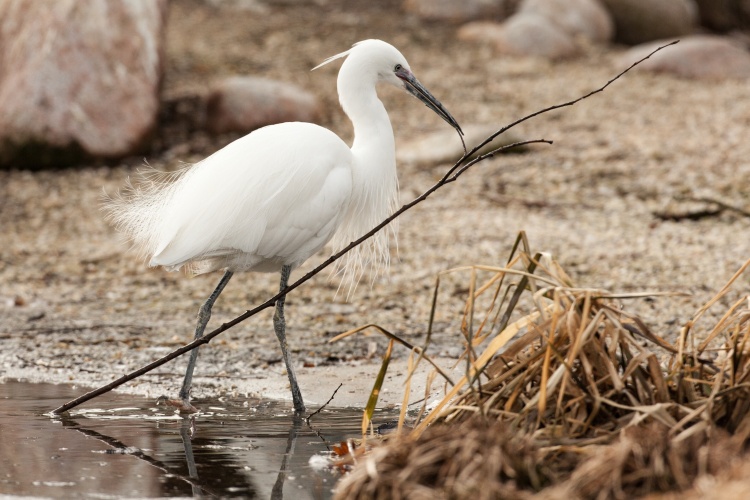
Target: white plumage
[
  {"x": 232, "y": 210},
  {"x": 270, "y": 200}
]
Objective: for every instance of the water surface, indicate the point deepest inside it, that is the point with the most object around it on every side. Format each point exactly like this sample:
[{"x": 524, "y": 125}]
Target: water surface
[{"x": 124, "y": 446}]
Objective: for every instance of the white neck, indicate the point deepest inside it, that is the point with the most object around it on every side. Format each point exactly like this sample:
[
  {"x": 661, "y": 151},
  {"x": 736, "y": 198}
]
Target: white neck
[
  {"x": 373, "y": 134},
  {"x": 374, "y": 180}
]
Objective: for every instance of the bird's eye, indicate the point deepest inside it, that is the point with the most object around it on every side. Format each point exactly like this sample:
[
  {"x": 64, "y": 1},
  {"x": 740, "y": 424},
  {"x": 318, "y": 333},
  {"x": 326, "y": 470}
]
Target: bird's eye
[{"x": 398, "y": 67}]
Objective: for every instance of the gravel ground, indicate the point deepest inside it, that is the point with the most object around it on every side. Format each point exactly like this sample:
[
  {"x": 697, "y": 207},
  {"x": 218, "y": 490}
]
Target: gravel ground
[{"x": 76, "y": 306}]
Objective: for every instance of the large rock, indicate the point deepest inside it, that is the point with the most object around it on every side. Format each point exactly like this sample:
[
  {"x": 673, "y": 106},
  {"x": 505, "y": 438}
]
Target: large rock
[
  {"x": 78, "y": 78},
  {"x": 461, "y": 11},
  {"x": 698, "y": 57},
  {"x": 587, "y": 18},
  {"x": 244, "y": 103},
  {"x": 639, "y": 21},
  {"x": 523, "y": 34}
]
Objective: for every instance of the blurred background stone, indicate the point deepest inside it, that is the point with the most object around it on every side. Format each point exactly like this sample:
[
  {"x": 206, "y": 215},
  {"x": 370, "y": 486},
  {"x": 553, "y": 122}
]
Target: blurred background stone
[
  {"x": 522, "y": 34},
  {"x": 544, "y": 28},
  {"x": 638, "y": 21},
  {"x": 78, "y": 79},
  {"x": 724, "y": 15},
  {"x": 244, "y": 103},
  {"x": 444, "y": 147},
  {"x": 461, "y": 11},
  {"x": 587, "y": 18},
  {"x": 698, "y": 57}
]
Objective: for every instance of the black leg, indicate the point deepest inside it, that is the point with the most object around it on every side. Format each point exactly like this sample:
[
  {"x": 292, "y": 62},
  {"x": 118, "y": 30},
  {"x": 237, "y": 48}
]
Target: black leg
[
  {"x": 204, "y": 314},
  {"x": 279, "y": 326}
]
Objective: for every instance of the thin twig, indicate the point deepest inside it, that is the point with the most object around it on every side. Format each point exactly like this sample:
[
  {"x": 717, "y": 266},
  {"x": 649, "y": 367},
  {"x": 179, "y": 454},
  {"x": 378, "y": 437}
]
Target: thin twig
[
  {"x": 722, "y": 205},
  {"x": 453, "y": 173},
  {"x": 552, "y": 108},
  {"x": 396, "y": 338},
  {"x": 307, "y": 419}
]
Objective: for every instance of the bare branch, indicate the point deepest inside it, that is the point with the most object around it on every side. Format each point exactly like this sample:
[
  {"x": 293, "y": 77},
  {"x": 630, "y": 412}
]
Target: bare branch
[
  {"x": 307, "y": 419},
  {"x": 451, "y": 175},
  {"x": 721, "y": 204},
  {"x": 552, "y": 108}
]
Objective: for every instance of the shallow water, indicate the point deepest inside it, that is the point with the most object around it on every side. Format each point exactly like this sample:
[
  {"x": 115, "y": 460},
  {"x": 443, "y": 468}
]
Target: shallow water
[{"x": 124, "y": 446}]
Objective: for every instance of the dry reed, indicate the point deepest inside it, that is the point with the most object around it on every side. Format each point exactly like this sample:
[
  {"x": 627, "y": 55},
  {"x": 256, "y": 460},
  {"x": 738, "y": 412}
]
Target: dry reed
[{"x": 565, "y": 395}]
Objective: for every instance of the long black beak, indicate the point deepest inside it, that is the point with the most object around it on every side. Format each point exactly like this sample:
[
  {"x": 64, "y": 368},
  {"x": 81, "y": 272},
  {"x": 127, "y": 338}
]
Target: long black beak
[{"x": 412, "y": 85}]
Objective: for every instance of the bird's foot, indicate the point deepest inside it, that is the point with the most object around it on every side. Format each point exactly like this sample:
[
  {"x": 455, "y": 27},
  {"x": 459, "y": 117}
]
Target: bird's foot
[{"x": 182, "y": 405}]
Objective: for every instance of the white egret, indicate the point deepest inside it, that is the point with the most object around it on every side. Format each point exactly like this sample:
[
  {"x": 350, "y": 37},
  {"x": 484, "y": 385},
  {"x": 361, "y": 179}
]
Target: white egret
[{"x": 273, "y": 198}]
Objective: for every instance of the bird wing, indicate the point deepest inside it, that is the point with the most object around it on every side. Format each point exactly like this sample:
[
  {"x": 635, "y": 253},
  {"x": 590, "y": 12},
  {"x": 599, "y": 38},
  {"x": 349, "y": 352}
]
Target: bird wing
[{"x": 277, "y": 194}]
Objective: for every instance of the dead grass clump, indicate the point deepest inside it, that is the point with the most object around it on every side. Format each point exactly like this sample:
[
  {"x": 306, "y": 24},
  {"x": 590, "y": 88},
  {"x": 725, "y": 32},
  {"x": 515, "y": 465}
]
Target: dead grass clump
[
  {"x": 608, "y": 408},
  {"x": 482, "y": 461},
  {"x": 644, "y": 459}
]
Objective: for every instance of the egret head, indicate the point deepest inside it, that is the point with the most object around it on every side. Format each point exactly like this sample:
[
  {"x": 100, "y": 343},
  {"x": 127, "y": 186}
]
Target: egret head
[{"x": 376, "y": 61}]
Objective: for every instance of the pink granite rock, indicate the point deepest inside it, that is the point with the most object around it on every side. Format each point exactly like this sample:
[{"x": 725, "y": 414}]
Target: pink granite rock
[{"x": 78, "y": 79}]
